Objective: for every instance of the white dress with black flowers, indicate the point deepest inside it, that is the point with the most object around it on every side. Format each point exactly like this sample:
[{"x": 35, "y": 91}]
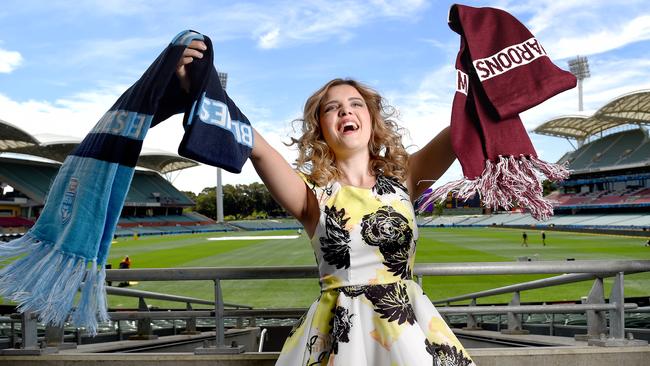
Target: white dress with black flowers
[{"x": 369, "y": 312}]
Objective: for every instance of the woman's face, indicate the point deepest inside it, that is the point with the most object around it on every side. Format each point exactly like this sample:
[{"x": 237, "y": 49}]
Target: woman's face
[{"x": 345, "y": 120}]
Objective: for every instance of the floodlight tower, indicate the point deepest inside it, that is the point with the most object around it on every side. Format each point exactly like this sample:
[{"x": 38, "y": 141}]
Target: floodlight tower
[
  {"x": 223, "y": 78},
  {"x": 579, "y": 67}
]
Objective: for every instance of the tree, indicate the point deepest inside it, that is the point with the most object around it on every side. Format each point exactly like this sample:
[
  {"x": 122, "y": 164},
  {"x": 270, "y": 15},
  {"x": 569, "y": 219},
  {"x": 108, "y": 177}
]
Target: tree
[
  {"x": 231, "y": 201},
  {"x": 240, "y": 201},
  {"x": 206, "y": 202}
]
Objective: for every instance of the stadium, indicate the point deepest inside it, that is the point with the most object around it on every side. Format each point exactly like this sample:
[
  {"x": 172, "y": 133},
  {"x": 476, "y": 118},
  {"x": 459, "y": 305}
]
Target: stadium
[{"x": 602, "y": 212}]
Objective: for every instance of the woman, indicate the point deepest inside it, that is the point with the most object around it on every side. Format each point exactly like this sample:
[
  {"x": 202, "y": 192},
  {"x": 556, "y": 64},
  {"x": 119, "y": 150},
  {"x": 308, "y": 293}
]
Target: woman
[{"x": 353, "y": 194}]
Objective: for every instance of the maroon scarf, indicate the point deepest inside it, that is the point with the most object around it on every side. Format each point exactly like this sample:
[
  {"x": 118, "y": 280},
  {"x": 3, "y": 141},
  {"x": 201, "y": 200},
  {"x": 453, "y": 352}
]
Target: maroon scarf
[{"x": 502, "y": 70}]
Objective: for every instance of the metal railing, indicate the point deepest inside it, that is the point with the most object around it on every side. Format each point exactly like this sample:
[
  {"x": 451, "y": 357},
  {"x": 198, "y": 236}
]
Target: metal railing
[
  {"x": 584, "y": 270},
  {"x": 55, "y": 335},
  {"x": 119, "y": 291},
  {"x": 573, "y": 271},
  {"x": 144, "y": 316},
  {"x": 541, "y": 283},
  {"x": 596, "y": 320}
]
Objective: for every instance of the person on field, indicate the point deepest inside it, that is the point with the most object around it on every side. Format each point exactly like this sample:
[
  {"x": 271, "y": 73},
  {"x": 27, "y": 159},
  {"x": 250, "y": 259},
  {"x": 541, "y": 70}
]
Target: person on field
[
  {"x": 524, "y": 239},
  {"x": 125, "y": 264},
  {"x": 543, "y": 238}
]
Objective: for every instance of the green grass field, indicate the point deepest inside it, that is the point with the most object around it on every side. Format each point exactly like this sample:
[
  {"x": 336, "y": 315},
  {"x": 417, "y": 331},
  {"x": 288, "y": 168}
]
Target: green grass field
[{"x": 434, "y": 245}]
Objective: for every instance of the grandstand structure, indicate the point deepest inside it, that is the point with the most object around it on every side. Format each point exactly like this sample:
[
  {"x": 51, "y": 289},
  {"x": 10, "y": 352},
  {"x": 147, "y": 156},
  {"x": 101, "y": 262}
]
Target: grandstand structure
[
  {"x": 153, "y": 205},
  {"x": 611, "y": 164}
]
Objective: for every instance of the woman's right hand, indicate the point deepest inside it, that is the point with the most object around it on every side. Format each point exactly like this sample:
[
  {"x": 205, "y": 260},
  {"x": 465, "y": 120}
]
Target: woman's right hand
[{"x": 194, "y": 50}]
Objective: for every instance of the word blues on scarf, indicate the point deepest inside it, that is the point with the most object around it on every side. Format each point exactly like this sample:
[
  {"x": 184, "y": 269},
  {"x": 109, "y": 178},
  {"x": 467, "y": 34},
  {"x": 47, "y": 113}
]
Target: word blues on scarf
[{"x": 216, "y": 113}]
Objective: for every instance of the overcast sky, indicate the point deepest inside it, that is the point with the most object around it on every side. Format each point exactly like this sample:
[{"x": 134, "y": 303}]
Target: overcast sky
[{"x": 64, "y": 63}]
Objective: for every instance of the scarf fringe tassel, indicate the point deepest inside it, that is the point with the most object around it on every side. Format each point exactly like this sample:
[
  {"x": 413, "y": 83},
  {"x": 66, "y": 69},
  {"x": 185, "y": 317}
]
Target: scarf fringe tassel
[
  {"x": 45, "y": 281},
  {"x": 510, "y": 182}
]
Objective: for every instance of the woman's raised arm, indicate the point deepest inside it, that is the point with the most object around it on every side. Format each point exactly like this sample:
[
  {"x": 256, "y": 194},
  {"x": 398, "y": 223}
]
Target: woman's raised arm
[
  {"x": 284, "y": 184},
  {"x": 429, "y": 163}
]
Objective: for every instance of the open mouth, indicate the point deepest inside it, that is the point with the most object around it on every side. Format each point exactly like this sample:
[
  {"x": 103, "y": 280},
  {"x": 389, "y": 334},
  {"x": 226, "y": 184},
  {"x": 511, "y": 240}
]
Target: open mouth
[{"x": 349, "y": 127}]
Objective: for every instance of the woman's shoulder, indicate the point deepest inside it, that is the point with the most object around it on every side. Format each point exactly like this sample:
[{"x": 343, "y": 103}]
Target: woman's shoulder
[{"x": 321, "y": 191}]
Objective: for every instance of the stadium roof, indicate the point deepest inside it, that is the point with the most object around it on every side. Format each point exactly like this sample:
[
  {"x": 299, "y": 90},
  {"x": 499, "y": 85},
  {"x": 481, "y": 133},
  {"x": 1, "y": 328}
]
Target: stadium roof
[
  {"x": 13, "y": 137},
  {"x": 15, "y": 140},
  {"x": 164, "y": 162},
  {"x": 53, "y": 150},
  {"x": 632, "y": 108},
  {"x": 576, "y": 127}
]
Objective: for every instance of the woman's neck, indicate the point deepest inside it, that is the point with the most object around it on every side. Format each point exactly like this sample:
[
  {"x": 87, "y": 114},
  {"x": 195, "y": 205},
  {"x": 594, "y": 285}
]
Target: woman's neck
[{"x": 355, "y": 171}]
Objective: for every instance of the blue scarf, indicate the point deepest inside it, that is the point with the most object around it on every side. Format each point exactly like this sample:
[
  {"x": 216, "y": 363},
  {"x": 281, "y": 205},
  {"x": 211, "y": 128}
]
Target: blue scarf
[{"x": 68, "y": 246}]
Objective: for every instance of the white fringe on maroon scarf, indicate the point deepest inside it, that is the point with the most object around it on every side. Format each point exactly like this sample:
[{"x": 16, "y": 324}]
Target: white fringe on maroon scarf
[{"x": 508, "y": 183}]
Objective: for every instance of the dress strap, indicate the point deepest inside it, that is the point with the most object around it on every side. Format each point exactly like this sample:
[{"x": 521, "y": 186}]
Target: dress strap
[{"x": 322, "y": 193}]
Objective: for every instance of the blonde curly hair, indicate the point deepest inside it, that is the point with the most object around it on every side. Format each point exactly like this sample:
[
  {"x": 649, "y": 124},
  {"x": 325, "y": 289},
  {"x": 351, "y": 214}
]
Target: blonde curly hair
[{"x": 317, "y": 161}]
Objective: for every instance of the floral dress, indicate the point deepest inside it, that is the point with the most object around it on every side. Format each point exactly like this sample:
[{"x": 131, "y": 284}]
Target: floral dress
[{"x": 370, "y": 311}]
